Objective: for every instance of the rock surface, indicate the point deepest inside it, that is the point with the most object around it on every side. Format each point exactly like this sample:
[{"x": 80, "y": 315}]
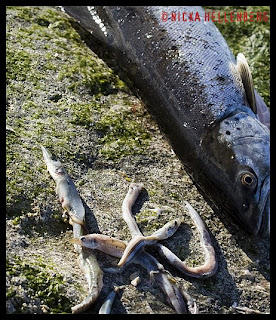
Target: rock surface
[{"x": 61, "y": 95}]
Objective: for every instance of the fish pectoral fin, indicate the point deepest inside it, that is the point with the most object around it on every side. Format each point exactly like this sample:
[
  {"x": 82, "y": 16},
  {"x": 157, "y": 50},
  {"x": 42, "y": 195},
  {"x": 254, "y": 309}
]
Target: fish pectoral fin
[
  {"x": 262, "y": 110},
  {"x": 247, "y": 80},
  {"x": 73, "y": 220}
]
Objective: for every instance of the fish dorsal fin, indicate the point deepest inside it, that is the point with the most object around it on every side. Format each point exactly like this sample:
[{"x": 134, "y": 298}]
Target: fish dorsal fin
[{"x": 247, "y": 80}]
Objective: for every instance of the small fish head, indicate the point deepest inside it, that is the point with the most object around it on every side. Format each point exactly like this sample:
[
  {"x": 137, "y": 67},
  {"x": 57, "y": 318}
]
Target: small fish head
[
  {"x": 56, "y": 170},
  {"x": 240, "y": 156},
  {"x": 88, "y": 241},
  {"x": 54, "y": 167},
  {"x": 59, "y": 170}
]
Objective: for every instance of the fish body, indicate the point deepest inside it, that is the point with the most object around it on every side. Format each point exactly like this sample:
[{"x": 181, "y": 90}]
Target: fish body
[
  {"x": 188, "y": 78},
  {"x": 106, "y": 244},
  {"x": 66, "y": 191},
  {"x": 164, "y": 280},
  {"x": 138, "y": 242},
  {"x": 94, "y": 276},
  {"x": 129, "y": 200},
  {"x": 72, "y": 203},
  {"x": 107, "y": 305}
]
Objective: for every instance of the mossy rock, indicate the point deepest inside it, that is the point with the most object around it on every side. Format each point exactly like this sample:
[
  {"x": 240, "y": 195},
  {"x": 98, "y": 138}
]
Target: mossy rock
[{"x": 61, "y": 95}]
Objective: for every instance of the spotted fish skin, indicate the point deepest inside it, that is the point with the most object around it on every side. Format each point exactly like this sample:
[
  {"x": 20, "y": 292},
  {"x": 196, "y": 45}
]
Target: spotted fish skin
[{"x": 188, "y": 78}]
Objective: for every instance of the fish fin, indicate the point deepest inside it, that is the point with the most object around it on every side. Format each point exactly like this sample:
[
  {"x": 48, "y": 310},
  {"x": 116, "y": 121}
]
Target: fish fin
[
  {"x": 247, "y": 81},
  {"x": 262, "y": 110},
  {"x": 71, "y": 222}
]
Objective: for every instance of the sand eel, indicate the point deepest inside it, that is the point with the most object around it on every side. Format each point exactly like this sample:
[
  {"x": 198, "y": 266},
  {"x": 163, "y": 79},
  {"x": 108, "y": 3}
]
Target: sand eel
[{"x": 71, "y": 202}]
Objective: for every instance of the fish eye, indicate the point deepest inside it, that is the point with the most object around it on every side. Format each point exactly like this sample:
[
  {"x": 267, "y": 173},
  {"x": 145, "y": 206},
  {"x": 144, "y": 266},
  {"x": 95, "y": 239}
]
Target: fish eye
[{"x": 248, "y": 179}]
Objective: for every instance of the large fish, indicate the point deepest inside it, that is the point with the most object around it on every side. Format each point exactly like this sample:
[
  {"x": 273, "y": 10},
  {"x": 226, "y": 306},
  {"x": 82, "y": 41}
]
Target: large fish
[{"x": 199, "y": 96}]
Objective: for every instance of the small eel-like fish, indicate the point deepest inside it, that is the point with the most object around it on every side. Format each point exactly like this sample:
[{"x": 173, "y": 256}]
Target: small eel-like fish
[
  {"x": 128, "y": 202},
  {"x": 138, "y": 242},
  {"x": 209, "y": 267},
  {"x": 65, "y": 189},
  {"x": 176, "y": 297},
  {"x": 72, "y": 203},
  {"x": 153, "y": 266},
  {"x": 131, "y": 252},
  {"x": 115, "y": 247},
  {"x": 106, "y": 244},
  {"x": 94, "y": 276},
  {"x": 106, "y": 306},
  {"x": 121, "y": 249}
]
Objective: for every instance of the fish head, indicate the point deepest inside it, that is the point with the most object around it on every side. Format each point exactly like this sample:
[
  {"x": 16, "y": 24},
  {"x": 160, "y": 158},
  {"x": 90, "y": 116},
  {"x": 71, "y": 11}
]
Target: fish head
[
  {"x": 240, "y": 158},
  {"x": 54, "y": 167},
  {"x": 56, "y": 170},
  {"x": 88, "y": 241}
]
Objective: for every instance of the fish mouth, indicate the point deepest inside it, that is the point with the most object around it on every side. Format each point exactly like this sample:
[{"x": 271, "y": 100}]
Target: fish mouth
[
  {"x": 76, "y": 241},
  {"x": 264, "y": 229},
  {"x": 257, "y": 219},
  {"x": 264, "y": 210},
  {"x": 259, "y": 222}
]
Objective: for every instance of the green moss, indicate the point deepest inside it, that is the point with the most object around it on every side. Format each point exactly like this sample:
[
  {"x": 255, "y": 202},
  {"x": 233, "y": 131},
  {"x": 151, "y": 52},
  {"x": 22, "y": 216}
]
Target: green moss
[
  {"x": 123, "y": 134},
  {"x": 175, "y": 196},
  {"x": 85, "y": 70},
  {"x": 55, "y": 30},
  {"x": 16, "y": 221},
  {"x": 147, "y": 220},
  {"x": 18, "y": 64},
  {"x": 83, "y": 114},
  {"x": 24, "y": 13},
  {"x": 20, "y": 186},
  {"x": 193, "y": 262},
  {"x": 11, "y": 153},
  {"x": 40, "y": 283},
  {"x": 253, "y": 40},
  {"x": 19, "y": 175}
]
